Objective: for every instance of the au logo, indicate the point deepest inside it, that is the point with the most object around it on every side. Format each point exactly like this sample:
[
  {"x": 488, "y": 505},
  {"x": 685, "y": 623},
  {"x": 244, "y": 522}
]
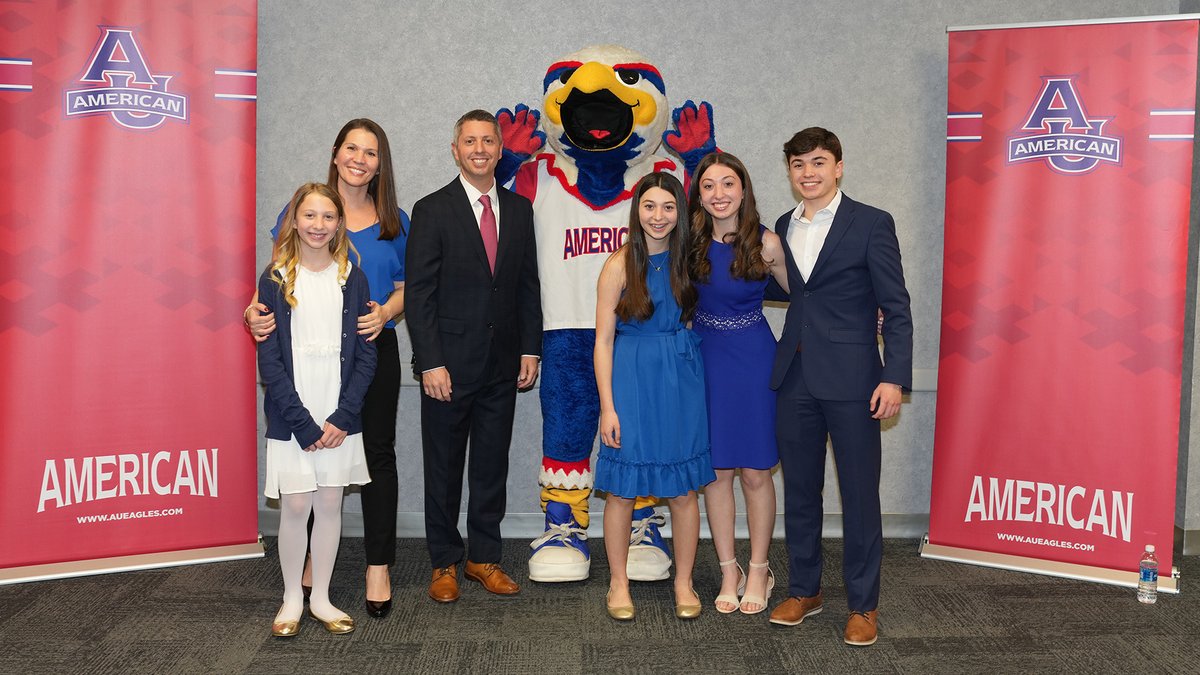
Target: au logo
[
  {"x": 1069, "y": 141},
  {"x": 135, "y": 97}
]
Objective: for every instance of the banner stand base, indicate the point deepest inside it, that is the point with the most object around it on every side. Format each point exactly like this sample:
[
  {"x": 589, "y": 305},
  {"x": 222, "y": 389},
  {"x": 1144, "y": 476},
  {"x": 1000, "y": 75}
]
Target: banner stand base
[
  {"x": 131, "y": 563},
  {"x": 1102, "y": 575}
]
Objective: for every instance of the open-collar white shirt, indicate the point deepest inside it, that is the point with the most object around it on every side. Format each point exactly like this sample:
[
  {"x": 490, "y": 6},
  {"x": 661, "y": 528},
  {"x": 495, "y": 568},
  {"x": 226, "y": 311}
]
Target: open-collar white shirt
[{"x": 806, "y": 237}]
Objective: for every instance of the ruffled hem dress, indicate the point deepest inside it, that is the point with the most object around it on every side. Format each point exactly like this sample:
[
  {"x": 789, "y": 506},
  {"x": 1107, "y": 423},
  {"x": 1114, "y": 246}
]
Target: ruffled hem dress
[
  {"x": 658, "y": 393},
  {"x": 316, "y": 364}
]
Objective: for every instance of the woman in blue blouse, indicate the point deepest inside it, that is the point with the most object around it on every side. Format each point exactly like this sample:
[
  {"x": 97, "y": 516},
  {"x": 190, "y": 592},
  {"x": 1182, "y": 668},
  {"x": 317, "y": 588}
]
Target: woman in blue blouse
[{"x": 360, "y": 168}]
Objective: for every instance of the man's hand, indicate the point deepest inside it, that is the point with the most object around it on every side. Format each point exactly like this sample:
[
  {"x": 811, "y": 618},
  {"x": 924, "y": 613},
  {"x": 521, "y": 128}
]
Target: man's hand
[
  {"x": 885, "y": 401},
  {"x": 258, "y": 321},
  {"x": 436, "y": 383},
  {"x": 529, "y": 372}
]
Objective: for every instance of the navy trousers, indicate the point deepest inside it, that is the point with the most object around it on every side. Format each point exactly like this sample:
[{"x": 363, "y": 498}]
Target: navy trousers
[{"x": 803, "y": 424}]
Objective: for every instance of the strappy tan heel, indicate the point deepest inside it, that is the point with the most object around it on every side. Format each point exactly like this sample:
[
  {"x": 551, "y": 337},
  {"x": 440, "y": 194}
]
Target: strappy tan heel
[
  {"x": 761, "y": 601},
  {"x": 741, "y": 588}
]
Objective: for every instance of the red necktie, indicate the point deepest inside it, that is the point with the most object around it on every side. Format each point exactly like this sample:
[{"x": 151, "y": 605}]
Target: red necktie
[{"x": 487, "y": 230}]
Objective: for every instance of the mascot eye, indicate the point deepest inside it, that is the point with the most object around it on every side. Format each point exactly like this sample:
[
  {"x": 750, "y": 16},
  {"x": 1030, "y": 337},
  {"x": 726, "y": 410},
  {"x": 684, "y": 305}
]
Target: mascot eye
[
  {"x": 629, "y": 76},
  {"x": 566, "y": 75}
]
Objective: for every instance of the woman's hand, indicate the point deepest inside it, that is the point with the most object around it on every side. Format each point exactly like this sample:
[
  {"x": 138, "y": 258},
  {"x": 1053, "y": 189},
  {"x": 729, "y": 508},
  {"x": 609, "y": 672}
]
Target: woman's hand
[
  {"x": 371, "y": 323},
  {"x": 332, "y": 437},
  {"x": 610, "y": 429},
  {"x": 258, "y": 321}
]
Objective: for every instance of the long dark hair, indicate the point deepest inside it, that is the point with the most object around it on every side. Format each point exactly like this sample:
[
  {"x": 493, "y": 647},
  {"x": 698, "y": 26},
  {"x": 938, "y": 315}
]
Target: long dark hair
[
  {"x": 748, "y": 263},
  {"x": 635, "y": 303},
  {"x": 382, "y": 187}
]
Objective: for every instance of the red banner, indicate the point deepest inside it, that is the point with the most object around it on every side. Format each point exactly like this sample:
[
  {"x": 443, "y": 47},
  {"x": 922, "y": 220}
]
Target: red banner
[
  {"x": 1068, "y": 180},
  {"x": 127, "y": 188}
]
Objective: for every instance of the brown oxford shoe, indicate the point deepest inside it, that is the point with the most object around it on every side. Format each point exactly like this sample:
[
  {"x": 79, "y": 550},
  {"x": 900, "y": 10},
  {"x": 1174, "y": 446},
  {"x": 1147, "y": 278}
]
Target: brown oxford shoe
[
  {"x": 444, "y": 587},
  {"x": 492, "y": 577},
  {"x": 794, "y": 610},
  {"x": 863, "y": 628}
]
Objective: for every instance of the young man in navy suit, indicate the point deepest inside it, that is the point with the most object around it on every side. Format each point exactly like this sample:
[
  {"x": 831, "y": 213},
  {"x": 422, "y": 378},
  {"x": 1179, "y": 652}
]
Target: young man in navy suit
[
  {"x": 475, "y": 318},
  {"x": 843, "y": 263}
]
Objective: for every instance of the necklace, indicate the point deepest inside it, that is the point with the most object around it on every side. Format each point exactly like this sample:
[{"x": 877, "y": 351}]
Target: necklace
[{"x": 657, "y": 268}]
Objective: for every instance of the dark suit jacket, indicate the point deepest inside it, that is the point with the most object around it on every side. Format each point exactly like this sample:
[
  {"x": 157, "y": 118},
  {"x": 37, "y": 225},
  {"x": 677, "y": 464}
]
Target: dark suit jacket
[
  {"x": 458, "y": 313},
  {"x": 833, "y": 316}
]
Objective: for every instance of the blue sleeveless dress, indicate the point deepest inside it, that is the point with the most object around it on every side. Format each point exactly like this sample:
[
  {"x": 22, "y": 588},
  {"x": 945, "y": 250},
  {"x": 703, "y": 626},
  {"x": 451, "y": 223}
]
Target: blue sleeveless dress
[
  {"x": 738, "y": 349},
  {"x": 658, "y": 392}
]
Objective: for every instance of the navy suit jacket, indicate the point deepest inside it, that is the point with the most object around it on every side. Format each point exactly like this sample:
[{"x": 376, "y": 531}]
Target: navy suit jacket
[
  {"x": 832, "y": 318},
  {"x": 458, "y": 312}
]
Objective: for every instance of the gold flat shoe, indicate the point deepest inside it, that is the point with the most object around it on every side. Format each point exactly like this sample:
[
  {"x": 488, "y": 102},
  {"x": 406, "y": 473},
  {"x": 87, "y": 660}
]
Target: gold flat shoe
[
  {"x": 683, "y": 611},
  {"x": 622, "y": 613},
  {"x": 339, "y": 626},
  {"x": 285, "y": 628}
]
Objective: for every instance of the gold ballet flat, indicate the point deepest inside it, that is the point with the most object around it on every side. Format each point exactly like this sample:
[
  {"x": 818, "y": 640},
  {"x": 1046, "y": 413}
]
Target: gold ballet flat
[
  {"x": 339, "y": 626},
  {"x": 285, "y": 628},
  {"x": 683, "y": 611},
  {"x": 622, "y": 613}
]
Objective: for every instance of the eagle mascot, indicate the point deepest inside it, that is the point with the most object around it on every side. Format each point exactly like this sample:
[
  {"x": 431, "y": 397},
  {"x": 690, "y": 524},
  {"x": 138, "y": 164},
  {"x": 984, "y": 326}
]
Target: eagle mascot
[{"x": 605, "y": 119}]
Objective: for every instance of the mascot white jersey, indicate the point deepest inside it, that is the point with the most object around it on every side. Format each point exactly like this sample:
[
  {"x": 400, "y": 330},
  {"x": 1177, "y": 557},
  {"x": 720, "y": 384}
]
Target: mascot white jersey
[{"x": 604, "y": 122}]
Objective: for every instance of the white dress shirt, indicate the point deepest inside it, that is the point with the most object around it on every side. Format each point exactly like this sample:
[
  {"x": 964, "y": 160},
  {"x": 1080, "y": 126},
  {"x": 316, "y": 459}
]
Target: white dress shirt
[
  {"x": 473, "y": 195},
  {"x": 806, "y": 237}
]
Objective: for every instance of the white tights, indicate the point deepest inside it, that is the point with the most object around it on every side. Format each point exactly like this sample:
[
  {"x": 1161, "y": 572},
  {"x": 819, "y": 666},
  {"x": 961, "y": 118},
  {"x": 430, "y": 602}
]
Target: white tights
[{"x": 326, "y": 505}]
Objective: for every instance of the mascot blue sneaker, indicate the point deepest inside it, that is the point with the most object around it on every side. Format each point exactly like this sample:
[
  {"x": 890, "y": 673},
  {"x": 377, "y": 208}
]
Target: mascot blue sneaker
[
  {"x": 649, "y": 557},
  {"x": 562, "y": 550}
]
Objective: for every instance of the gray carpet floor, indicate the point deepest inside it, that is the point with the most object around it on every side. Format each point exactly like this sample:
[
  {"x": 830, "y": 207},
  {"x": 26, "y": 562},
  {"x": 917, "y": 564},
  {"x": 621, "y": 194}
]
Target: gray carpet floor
[{"x": 935, "y": 617}]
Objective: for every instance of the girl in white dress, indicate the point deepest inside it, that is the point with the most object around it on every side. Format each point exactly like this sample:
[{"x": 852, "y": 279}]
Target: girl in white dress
[{"x": 316, "y": 368}]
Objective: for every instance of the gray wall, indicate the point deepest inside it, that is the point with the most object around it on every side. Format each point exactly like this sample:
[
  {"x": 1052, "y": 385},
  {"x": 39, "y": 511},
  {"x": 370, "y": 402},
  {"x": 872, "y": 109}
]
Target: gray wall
[{"x": 873, "y": 72}]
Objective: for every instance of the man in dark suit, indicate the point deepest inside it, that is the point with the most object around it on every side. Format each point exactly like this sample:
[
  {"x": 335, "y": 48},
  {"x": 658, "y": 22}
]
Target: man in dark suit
[
  {"x": 475, "y": 319},
  {"x": 843, "y": 268}
]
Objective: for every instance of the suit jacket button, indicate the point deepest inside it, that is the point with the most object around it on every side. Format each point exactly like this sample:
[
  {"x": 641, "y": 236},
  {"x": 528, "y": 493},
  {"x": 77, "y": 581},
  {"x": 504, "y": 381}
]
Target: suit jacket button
[
  {"x": 807, "y": 293},
  {"x": 490, "y": 325}
]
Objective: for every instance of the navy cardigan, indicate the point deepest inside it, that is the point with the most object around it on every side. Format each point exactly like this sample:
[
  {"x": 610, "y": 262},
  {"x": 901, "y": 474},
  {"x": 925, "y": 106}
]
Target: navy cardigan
[{"x": 286, "y": 414}]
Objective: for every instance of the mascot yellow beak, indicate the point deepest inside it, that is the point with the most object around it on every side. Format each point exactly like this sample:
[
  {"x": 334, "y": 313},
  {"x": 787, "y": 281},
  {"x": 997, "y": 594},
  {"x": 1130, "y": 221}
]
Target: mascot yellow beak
[{"x": 598, "y": 106}]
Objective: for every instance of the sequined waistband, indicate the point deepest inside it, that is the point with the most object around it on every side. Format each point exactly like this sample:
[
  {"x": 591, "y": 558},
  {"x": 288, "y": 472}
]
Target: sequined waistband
[{"x": 732, "y": 322}]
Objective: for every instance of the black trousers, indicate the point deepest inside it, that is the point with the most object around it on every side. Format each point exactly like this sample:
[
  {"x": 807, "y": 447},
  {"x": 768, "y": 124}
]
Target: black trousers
[
  {"x": 481, "y": 413},
  {"x": 379, "y": 441}
]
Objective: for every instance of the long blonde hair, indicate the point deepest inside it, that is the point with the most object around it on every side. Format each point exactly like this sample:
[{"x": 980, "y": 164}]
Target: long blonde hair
[{"x": 287, "y": 244}]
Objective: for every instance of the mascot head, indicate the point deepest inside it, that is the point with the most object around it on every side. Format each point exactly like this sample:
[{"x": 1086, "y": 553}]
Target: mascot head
[{"x": 604, "y": 105}]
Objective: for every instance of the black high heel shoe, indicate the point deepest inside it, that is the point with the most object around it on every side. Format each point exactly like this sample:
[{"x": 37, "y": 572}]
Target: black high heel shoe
[{"x": 379, "y": 608}]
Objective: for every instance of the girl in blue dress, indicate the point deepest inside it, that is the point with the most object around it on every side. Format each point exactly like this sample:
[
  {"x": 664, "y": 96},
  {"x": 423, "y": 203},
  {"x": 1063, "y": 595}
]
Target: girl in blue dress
[
  {"x": 732, "y": 258},
  {"x": 653, "y": 429}
]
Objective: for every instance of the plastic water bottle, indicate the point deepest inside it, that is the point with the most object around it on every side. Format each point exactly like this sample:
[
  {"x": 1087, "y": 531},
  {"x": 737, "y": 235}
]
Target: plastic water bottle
[{"x": 1148, "y": 577}]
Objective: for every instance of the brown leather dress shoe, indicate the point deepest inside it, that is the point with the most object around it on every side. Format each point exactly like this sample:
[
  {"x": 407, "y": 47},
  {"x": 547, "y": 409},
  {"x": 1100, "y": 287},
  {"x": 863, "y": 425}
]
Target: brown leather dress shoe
[
  {"x": 862, "y": 628},
  {"x": 492, "y": 577},
  {"x": 794, "y": 610},
  {"x": 444, "y": 587}
]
